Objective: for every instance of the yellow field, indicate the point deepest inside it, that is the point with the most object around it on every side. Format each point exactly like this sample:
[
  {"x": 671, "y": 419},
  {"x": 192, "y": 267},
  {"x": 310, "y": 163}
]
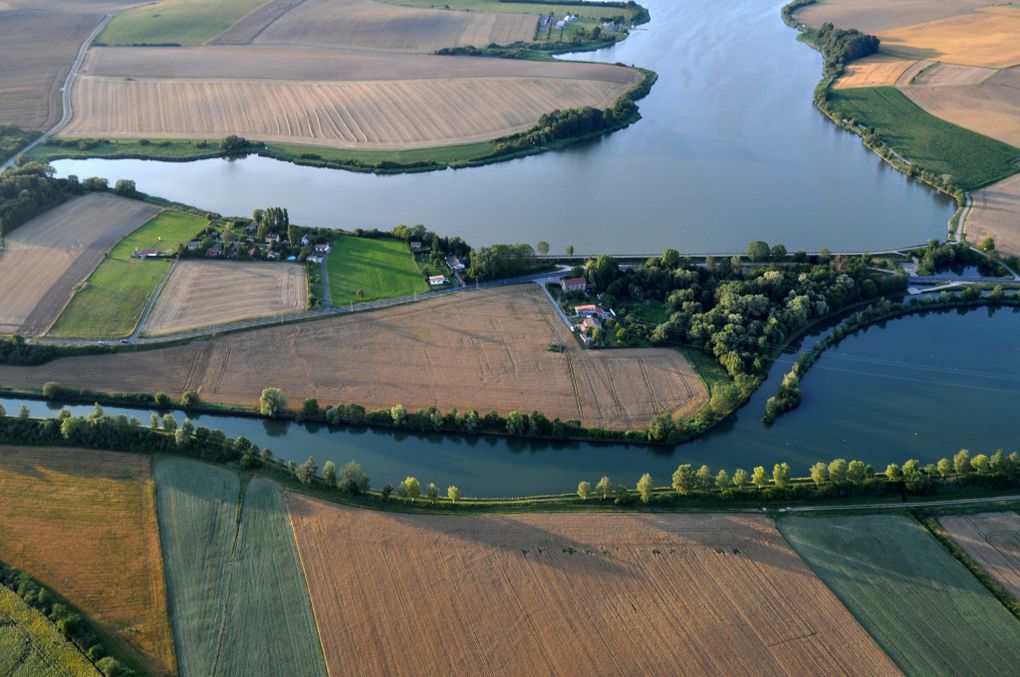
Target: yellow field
[
  {"x": 83, "y": 523},
  {"x": 873, "y": 71},
  {"x": 992, "y": 541},
  {"x": 367, "y": 24},
  {"x": 44, "y": 259},
  {"x": 996, "y": 214},
  {"x": 872, "y": 15},
  {"x": 976, "y": 39},
  {"x": 206, "y": 293},
  {"x": 370, "y": 115},
  {"x": 557, "y": 594}
]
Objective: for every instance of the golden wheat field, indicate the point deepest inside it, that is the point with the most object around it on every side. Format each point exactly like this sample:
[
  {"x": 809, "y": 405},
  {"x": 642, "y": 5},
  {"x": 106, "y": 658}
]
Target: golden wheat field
[
  {"x": 378, "y": 115},
  {"x": 873, "y": 71},
  {"x": 872, "y": 15},
  {"x": 556, "y": 594},
  {"x": 992, "y": 541},
  {"x": 486, "y": 350},
  {"x": 44, "y": 259},
  {"x": 206, "y": 293},
  {"x": 83, "y": 523},
  {"x": 996, "y": 214},
  {"x": 976, "y": 39},
  {"x": 367, "y": 24}
]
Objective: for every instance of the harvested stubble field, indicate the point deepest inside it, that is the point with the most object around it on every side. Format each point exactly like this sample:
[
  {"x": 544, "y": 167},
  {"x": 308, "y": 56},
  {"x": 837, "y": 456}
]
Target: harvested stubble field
[
  {"x": 374, "y": 115},
  {"x": 45, "y": 259},
  {"x": 990, "y": 107},
  {"x": 543, "y": 594},
  {"x": 872, "y": 15},
  {"x": 238, "y": 596},
  {"x": 83, "y": 523},
  {"x": 206, "y": 293},
  {"x": 367, "y": 24},
  {"x": 996, "y": 214},
  {"x": 928, "y": 612},
  {"x": 948, "y": 74},
  {"x": 992, "y": 541},
  {"x": 31, "y": 646},
  {"x": 486, "y": 350},
  {"x": 982, "y": 38},
  {"x": 873, "y": 71}
]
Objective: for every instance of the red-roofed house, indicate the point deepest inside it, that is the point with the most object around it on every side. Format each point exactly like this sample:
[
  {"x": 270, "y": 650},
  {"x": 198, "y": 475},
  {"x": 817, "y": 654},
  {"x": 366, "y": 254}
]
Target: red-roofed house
[{"x": 569, "y": 284}]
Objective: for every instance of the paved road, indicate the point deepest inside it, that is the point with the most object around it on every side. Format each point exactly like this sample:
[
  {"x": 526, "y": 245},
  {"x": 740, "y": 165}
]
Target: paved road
[
  {"x": 900, "y": 505},
  {"x": 65, "y": 91}
]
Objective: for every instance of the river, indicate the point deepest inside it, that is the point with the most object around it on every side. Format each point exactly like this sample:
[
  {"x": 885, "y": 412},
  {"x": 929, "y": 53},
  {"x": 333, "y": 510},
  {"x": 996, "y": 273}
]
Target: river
[
  {"x": 921, "y": 387},
  {"x": 730, "y": 149}
]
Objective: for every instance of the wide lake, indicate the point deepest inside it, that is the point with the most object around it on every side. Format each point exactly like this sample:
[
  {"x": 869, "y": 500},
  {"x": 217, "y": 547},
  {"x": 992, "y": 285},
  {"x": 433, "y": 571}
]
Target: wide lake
[
  {"x": 730, "y": 149},
  {"x": 920, "y": 387}
]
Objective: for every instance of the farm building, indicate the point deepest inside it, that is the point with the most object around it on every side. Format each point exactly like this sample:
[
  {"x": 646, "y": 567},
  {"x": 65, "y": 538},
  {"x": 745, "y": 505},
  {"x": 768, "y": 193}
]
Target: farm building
[
  {"x": 437, "y": 280},
  {"x": 145, "y": 253},
  {"x": 590, "y": 323},
  {"x": 321, "y": 249},
  {"x": 454, "y": 263},
  {"x": 591, "y": 310},
  {"x": 569, "y": 284}
]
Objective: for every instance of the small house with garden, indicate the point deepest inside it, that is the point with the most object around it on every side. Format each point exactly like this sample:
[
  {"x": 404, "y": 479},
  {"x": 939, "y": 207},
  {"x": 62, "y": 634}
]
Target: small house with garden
[
  {"x": 569, "y": 284},
  {"x": 437, "y": 280},
  {"x": 454, "y": 263}
]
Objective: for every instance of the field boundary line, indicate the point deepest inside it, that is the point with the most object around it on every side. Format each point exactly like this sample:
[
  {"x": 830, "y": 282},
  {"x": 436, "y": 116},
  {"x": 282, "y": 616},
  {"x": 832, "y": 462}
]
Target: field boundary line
[{"x": 153, "y": 297}]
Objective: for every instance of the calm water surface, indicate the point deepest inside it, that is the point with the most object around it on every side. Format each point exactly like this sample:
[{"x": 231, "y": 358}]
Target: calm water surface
[
  {"x": 730, "y": 149},
  {"x": 922, "y": 387}
]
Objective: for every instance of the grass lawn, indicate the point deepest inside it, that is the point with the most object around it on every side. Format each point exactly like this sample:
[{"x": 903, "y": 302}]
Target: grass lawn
[
  {"x": 924, "y": 608},
  {"x": 31, "y": 645},
  {"x": 182, "y": 22},
  {"x": 943, "y": 148},
  {"x": 237, "y": 593},
  {"x": 381, "y": 267},
  {"x": 112, "y": 300}
]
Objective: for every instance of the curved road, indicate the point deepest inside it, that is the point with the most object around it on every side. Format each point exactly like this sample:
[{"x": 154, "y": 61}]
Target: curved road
[{"x": 65, "y": 91}]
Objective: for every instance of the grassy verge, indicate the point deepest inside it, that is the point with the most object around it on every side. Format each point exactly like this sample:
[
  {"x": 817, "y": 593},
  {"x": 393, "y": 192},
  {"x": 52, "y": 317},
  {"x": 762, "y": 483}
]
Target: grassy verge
[
  {"x": 175, "y": 22},
  {"x": 972, "y": 160},
  {"x": 368, "y": 269},
  {"x": 31, "y": 645},
  {"x": 110, "y": 303}
]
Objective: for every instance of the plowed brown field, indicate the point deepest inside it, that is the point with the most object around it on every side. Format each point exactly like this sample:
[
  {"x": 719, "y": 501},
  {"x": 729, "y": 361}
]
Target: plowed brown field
[
  {"x": 366, "y": 24},
  {"x": 483, "y": 350},
  {"x": 992, "y": 540},
  {"x": 872, "y": 15},
  {"x": 84, "y": 524},
  {"x": 206, "y": 293},
  {"x": 385, "y": 115},
  {"x": 996, "y": 214},
  {"x": 949, "y": 74},
  {"x": 45, "y": 258},
  {"x": 545, "y": 594},
  {"x": 873, "y": 71}
]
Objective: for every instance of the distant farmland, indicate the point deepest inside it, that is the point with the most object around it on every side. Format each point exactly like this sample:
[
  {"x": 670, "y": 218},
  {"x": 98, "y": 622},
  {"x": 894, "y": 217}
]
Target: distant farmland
[
  {"x": 922, "y": 606},
  {"x": 236, "y": 590},
  {"x": 83, "y": 523},
  {"x": 31, "y": 646},
  {"x": 992, "y": 540},
  {"x": 552, "y": 594}
]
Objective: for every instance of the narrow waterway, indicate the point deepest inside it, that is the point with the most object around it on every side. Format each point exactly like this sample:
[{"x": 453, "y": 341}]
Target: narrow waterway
[
  {"x": 730, "y": 150},
  {"x": 919, "y": 387}
]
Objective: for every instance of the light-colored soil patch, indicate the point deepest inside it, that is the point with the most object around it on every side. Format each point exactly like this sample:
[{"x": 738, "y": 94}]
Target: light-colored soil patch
[
  {"x": 992, "y": 541},
  {"x": 873, "y": 71},
  {"x": 996, "y": 214},
  {"x": 544, "y": 594},
  {"x": 872, "y": 15},
  {"x": 483, "y": 350},
  {"x": 45, "y": 258},
  {"x": 83, "y": 523},
  {"x": 366, "y": 24},
  {"x": 992, "y": 108},
  {"x": 949, "y": 74},
  {"x": 977, "y": 39},
  {"x": 394, "y": 114},
  {"x": 206, "y": 293}
]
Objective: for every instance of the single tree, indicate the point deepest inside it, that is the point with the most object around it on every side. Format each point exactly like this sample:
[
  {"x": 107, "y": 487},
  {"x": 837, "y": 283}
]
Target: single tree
[
  {"x": 837, "y": 471},
  {"x": 453, "y": 493},
  {"x": 189, "y": 398},
  {"x": 684, "y": 479},
  {"x": 329, "y": 473},
  {"x": 411, "y": 487},
  {"x": 306, "y": 471},
  {"x": 722, "y": 480},
  {"x": 981, "y": 464},
  {"x": 856, "y": 472},
  {"x": 703, "y": 478},
  {"x": 944, "y": 467},
  {"x": 542, "y": 247},
  {"x": 604, "y": 487},
  {"x": 272, "y": 402},
  {"x": 759, "y": 478},
  {"x": 961, "y": 462},
  {"x": 893, "y": 473},
  {"x": 583, "y": 488},
  {"x": 781, "y": 474},
  {"x": 352, "y": 479},
  {"x": 820, "y": 473},
  {"x": 644, "y": 488},
  {"x": 739, "y": 478},
  {"x": 398, "y": 413},
  {"x": 433, "y": 492}
]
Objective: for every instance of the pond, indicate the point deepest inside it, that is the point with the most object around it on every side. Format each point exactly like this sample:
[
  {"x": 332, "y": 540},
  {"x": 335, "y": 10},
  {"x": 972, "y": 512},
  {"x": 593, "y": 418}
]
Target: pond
[
  {"x": 922, "y": 387},
  {"x": 730, "y": 149}
]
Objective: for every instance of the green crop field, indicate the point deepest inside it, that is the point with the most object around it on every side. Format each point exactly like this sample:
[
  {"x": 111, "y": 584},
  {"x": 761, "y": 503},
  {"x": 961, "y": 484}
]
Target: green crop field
[
  {"x": 381, "y": 268},
  {"x": 933, "y": 144},
  {"x": 180, "y": 22},
  {"x": 31, "y": 646},
  {"x": 922, "y": 606},
  {"x": 237, "y": 593},
  {"x": 111, "y": 302}
]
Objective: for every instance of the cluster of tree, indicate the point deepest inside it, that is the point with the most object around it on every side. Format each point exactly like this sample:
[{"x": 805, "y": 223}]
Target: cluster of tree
[
  {"x": 503, "y": 260},
  {"x": 69, "y": 622},
  {"x": 789, "y": 395},
  {"x": 789, "y": 10},
  {"x": 437, "y": 245},
  {"x": 275, "y": 220},
  {"x": 237, "y": 146},
  {"x": 841, "y": 46},
  {"x": 937, "y": 257},
  {"x": 15, "y": 351},
  {"x": 566, "y": 125},
  {"x": 13, "y": 139},
  {"x": 30, "y": 190}
]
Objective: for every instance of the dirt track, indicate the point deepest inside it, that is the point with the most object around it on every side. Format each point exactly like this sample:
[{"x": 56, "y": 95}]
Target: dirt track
[
  {"x": 554, "y": 594},
  {"x": 484, "y": 350},
  {"x": 45, "y": 258},
  {"x": 206, "y": 293}
]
